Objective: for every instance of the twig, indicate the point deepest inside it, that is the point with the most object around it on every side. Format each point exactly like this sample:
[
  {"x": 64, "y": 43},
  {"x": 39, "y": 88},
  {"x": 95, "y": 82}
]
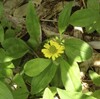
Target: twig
[{"x": 46, "y": 20}]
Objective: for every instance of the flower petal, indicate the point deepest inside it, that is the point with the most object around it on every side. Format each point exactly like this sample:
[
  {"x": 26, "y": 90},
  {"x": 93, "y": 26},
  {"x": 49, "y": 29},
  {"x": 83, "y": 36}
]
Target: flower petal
[
  {"x": 47, "y": 46},
  {"x": 47, "y": 52}
]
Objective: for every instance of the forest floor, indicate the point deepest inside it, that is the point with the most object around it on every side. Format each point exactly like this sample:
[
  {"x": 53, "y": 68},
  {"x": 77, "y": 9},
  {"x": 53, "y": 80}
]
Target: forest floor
[{"x": 48, "y": 11}]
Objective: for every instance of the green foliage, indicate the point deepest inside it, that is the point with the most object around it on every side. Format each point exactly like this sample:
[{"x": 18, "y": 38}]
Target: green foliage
[
  {"x": 33, "y": 26},
  {"x": 42, "y": 80},
  {"x": 6, "y": 70},
  {"x": 29, "y": 74},
  {"x": 10, "y": 33},
  {"x": 96, "y": 94},
  {"x": 69, "y": 76},
  {"x": 36, "y": 66},
  {"x": 70, "y": 95},
  {"x": 95, "y": 77},
  {"x": 20, "y": 90},
  {"x": 63, "y": 20},
  {"x": 1, "y": 34},
  {"x": 93, "y": 4},
  {"x": 56, "y": 81},
  {"x": 88, "y": 17},
  {"x": 4, "y": 57},
  {"x": 15, "y": 48},
  {"x": 96, "y": 80},
  {"x": 48, "y": 94},
  {"x": 97, "y": 25},
  {"x": 1, "y": 9},
  {"x": 77, "y": 49},
  {"x": 84, "y": 17},
  {"x": 5, "y": 93}
]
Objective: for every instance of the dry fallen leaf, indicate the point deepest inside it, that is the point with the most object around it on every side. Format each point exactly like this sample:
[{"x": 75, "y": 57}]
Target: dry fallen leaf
[{"x": 95, "y": 44}]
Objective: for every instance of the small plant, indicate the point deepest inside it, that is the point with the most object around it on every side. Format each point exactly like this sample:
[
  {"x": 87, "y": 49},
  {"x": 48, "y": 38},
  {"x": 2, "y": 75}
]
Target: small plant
[{"x": 48, "y": 68}]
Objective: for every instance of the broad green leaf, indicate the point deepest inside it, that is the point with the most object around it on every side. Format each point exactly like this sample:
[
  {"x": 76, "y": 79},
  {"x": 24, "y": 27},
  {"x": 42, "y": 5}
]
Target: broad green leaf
[
  {"x": 96, "y": 94},
  {"x": 93, "y": 4},
  {"x": 1, "y": 34},
  {"x": 36, "y": 66},
  {"x": 1, "y": 9},
  {"x": 84, "y": 17},
  {"x": 97, "y": 25},
  {"x": 4, "y": 57},
  {"x": 63, "y": 20},
  {"x": 48, "y": 94},
  {"x": 6, "y": 69},
  {"x": 42, "y": 80},
  {"x": 90, "y": 28},
  {"x": 6, "y": 72},
  {"x": 33, "y": 25},
  {"x": 56, "y": 81},
  {"x": 77, "y": 50},
  {"x": 20, "y": 90},
  {"x": 33, "y": 43},
  {"x": 7, "y": 65},
  {"x": 95, "y": 77},
  {"x": 73, "y": 95},
  {"x": 15, "y": 48},
  {"x": 10, "y": 33},
  {"x": 53, "y": 90},
  {"x": 5, "y": 93},
  {"x": 70, "y": 75},
  {"x": 5, "y": 23}
]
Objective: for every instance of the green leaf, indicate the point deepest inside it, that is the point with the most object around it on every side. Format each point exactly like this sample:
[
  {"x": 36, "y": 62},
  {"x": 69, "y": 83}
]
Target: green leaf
[
  {"x": 7, "y": 65},
  {"x": 33, "y": 43},
  {"x": 56, "y": 81},
  {"x": 42, "y": 80},
  {"x": 70, "y": 75},
  {"x": 33, "y": 25},
  {"x": 73, "y": 95},
  {"x": 53, "y": 90},
  {"x": 10, "y": 33},
  {"x": 4, "y": 57},
  {"x": 96, "y": 94},
  {"x": 36, "y": 66},
  {"x": 63, "y": 20},
  {"x": 84, "y": 17},
  {"x": 95, "y": 78},
  {"x": 5, "y": 92},
  {"x": 90, "y": 28},
  {"x": 6, "y": 69},
  {"x": 5, "y": 23},
  {"x": 6, "y": 72},
  {"x": 1, "y": 9},
  {"x": 77, "y": 50},
  {"x": 1, "y": 34},
  {"x": 20, "y": 92},
  {"x": 97, "y": 25},
  {"x": 48, "y": 94},
  {"x": 93, "y": 4},
  {"x": 15, "y": 48}
]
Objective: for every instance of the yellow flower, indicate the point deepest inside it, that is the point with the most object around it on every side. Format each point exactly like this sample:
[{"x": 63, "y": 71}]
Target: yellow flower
[{"x": 53, "y": 49}]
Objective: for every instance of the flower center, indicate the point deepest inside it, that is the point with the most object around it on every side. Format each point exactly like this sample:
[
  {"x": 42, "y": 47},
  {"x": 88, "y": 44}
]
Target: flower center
[{"x": 52, "y": 49}]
